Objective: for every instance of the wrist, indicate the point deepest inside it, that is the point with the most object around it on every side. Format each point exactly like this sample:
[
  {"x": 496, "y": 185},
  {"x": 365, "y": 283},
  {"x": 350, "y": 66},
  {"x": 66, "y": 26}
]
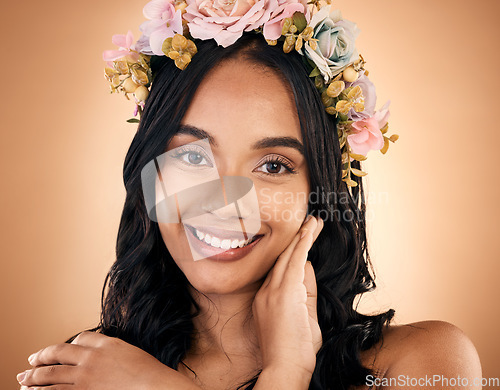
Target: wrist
[{"x": 284, "y": 378}]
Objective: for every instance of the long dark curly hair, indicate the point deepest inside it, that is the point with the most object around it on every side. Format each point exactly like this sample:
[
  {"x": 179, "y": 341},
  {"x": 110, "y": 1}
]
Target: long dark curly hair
[{"x": 145, "y": 299}]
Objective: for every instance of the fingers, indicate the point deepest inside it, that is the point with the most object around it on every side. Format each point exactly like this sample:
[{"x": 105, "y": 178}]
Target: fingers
[
  {"x": 319, "y": 227},
  {"x": 67, "y": 354},
  {"x": 312, "y": 290},
  {"x": 55, "y": 387},
  {"x": 91, "y": 339},
  {"x": 292, "y": 261},
  {"x": 282, "y": 263},
  {"x": 47, "y": 375}
]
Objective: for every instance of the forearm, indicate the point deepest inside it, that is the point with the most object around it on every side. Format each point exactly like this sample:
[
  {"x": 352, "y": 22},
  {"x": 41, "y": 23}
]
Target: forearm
[{"x": 274, "y": 378}]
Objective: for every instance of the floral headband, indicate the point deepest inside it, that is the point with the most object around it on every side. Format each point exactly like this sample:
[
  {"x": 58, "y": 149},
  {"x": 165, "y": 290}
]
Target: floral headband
[{"x": 324, "y": 39}]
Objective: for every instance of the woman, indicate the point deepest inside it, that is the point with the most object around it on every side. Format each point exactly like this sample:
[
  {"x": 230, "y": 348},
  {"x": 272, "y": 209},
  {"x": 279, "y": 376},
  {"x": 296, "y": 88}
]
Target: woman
[{"x": 275, "y": 311}]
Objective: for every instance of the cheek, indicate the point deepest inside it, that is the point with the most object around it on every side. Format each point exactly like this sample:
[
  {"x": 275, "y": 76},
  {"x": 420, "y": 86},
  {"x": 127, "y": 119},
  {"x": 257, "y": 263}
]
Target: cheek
[
  {"x": 175, "y": 240},
  {"x": 284, "y": 209}
]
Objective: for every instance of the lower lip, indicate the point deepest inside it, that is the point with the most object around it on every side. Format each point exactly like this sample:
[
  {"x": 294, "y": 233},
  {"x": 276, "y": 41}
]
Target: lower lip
[{"x": 212, "y": 253}]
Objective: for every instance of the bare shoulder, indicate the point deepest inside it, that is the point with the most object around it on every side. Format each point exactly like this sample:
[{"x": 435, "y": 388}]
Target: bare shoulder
[{"x": 421, "y": 350}]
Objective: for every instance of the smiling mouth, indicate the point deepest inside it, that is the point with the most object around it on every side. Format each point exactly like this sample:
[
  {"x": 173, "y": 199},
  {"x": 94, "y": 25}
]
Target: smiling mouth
[{"x": 221, "y": 242}]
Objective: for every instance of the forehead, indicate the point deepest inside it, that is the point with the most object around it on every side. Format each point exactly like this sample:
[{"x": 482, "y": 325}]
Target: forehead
[{"x": 239, "y": 99}]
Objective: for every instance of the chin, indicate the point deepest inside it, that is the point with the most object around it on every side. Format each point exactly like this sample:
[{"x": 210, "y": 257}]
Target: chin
[
  {"x": 209, "y": 287},
  {"x": 218, "y": 282}
]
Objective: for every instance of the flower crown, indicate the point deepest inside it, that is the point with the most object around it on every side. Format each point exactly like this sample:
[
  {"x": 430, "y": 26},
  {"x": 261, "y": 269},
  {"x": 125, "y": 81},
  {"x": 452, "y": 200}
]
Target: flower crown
[{"x": 324, "y": 39}]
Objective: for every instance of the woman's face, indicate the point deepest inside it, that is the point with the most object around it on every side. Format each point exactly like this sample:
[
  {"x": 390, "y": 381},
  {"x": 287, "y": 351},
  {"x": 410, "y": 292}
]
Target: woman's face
[{"x": 251, "y": 120}]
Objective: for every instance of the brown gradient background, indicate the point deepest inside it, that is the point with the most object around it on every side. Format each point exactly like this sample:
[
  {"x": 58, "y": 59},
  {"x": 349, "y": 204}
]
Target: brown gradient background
[{"x": 433, "y": 235}]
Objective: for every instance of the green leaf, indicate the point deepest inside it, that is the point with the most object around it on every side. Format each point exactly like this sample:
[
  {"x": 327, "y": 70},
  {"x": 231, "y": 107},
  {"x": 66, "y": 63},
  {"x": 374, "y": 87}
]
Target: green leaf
[
  {"x": 133, "y": 120},
  {"x": 315, "y": 72},
  {"x": 343, "y": 118},
  {"x": 300, "y": 21}
]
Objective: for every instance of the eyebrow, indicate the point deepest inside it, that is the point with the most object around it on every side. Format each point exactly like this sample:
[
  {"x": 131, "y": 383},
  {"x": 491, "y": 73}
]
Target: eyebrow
[{"x": 267, "y": 142}]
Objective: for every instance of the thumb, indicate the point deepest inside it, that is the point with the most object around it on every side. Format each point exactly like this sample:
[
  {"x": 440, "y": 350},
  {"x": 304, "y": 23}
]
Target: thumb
[{"x": 312, "y": 290}]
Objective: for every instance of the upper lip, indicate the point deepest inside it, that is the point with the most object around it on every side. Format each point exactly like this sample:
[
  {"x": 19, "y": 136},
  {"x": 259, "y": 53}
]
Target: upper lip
[{"x": 223, "y": 233}]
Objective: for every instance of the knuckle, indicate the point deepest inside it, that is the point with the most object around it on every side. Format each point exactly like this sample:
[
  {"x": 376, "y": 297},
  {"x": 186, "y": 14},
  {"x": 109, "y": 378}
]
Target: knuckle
[{"x": 57, "y": 348}]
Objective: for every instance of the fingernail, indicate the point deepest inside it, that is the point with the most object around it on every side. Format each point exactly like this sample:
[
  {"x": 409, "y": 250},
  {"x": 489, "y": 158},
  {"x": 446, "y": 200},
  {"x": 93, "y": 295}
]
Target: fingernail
[
  {"x": 308, "y": 218},
  {"x": 31, "y": 357},
  {"x": 304, "y": 232},
  {"x": 21, "y": 376}
]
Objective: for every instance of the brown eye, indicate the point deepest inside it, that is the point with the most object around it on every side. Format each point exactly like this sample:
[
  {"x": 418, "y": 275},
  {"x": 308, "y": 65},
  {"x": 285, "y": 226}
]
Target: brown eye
[
  {"x": 276, "y": 166},
  {"x": 273, "y": 167}
]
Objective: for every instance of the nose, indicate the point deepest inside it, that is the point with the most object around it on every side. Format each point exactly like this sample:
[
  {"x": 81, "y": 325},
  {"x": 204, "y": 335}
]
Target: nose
[{"x": 237, "y": 201}]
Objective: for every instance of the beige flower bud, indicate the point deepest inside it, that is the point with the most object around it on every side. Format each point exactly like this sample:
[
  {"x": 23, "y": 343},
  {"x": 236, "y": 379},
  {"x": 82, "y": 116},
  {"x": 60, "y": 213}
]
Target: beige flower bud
[
  {"x": 350, "y": 75},
  {"x": 129, "y": 86},
  {"x": 141, "y": 93}
]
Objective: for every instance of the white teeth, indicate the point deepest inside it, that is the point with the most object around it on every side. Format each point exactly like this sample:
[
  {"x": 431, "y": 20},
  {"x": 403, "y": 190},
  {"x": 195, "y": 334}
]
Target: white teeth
[
  {"x": 215, "y": 242},
  {"x": 225, "y": 244}
]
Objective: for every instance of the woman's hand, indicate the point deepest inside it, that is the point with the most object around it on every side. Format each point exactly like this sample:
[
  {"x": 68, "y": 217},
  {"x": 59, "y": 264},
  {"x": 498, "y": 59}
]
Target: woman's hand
[
  {"x": 95, "y": 361},
  {"x": 285, "y": 308}
]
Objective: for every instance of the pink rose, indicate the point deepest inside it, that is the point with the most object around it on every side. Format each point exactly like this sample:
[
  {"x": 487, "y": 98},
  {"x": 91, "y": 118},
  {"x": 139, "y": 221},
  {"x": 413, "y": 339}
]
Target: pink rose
[
  {"x": 366, "y": 134},
  {"x": 286, "y": 9},
  {"x": 164, "y": 22},
  {"x": 225, "y": 20}
]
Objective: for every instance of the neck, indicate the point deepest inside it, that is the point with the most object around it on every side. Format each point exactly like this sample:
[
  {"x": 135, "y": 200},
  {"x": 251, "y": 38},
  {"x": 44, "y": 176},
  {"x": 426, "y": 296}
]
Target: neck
[{"x": 225, "y": 325}]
